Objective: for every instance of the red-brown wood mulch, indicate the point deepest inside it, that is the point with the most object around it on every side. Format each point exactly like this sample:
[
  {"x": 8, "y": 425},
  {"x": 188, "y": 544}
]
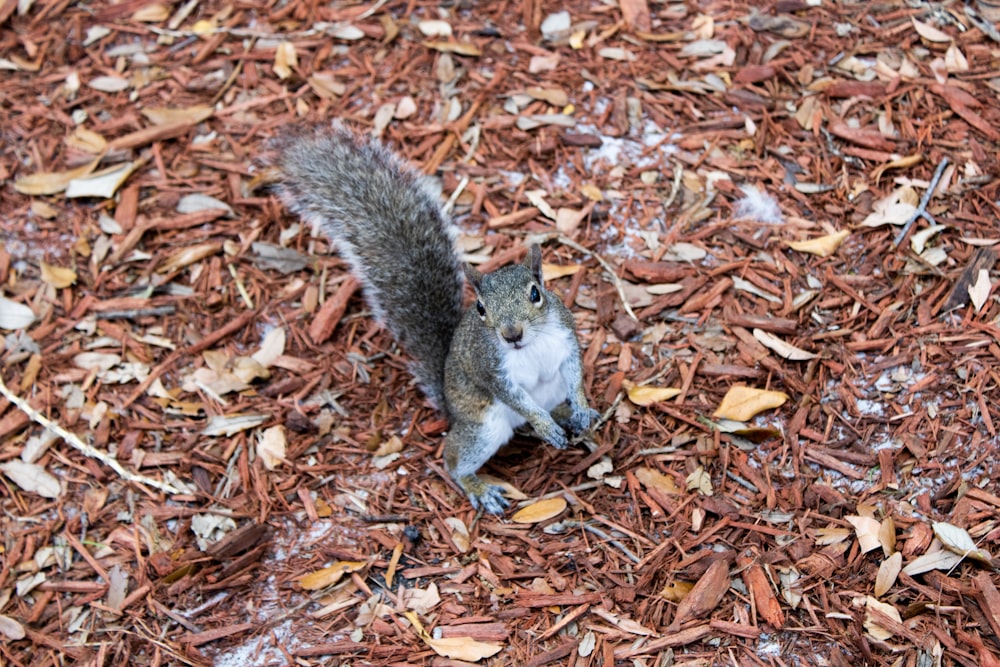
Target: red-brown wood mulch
[{"x": 246, "y": 473}]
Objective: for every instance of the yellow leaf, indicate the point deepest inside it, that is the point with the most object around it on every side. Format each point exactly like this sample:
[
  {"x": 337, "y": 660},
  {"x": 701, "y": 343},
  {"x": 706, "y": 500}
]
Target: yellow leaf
[
  {"x": 653, "y": 479},
  {"x": 540, "y": 511},
  {"x": 203, "y": 28},
  {"x": 58, "y": 276},
  {"x": 328, "y": 576},
  {"x": 285, "y": 60},
  {"x": 823, "y": 246},
  {"x": 52, "y": 182},
  {"x": 152, "y": 13},
  {"x": 741, "y": 402},
  {"x": 463, "y": 648},
  {"x": 591, "y": 192},
  {"x": 553, "y": 271},
  {"x": 677, "y": 590},
  {"x": 647, "y": 395}
]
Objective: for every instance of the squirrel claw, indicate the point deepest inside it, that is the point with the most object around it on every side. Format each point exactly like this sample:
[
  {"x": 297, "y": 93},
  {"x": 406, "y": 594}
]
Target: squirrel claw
[{"x": 490, "y": 500}]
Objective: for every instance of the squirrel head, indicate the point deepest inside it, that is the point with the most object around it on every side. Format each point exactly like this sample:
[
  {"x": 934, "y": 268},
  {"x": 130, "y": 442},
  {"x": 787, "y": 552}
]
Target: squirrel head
[{"x": 512, "y": 298}]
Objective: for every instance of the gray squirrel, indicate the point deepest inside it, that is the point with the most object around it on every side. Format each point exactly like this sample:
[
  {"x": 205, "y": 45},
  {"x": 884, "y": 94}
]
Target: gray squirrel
[{"x": 512, "y": 358}]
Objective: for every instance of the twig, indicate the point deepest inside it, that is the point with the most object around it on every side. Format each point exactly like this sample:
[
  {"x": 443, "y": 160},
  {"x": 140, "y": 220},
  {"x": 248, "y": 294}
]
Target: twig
[
  {"x": 73, "y": 440},
  {"x": 604, "y": 536},
  {"x": 921, "y": 211}
]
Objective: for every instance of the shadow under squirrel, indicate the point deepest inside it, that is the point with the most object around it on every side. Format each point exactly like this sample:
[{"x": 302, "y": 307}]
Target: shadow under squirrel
[{"x": 510, "y": 359}]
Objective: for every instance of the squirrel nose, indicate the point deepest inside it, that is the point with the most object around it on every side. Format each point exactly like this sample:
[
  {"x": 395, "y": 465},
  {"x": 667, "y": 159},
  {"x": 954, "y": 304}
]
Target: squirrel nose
[{"x": 512, "y": 333}]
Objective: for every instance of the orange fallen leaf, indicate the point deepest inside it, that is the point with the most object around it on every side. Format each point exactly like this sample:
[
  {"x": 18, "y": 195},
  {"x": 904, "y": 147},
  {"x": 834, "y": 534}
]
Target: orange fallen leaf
[
  {"x": 741, "y": 402},
  {"x": 540, "y": 511},
  {"x": 328, "y": 576}
]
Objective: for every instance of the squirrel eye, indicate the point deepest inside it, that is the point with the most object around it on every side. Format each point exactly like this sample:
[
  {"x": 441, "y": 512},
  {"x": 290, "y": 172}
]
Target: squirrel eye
[
  {"x": 481, "y": 309},
  {"x": 535, "y": 295}
]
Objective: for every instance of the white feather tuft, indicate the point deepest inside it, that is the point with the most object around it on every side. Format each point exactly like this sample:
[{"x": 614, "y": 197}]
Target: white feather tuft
[{"x": 757, "y": 205}]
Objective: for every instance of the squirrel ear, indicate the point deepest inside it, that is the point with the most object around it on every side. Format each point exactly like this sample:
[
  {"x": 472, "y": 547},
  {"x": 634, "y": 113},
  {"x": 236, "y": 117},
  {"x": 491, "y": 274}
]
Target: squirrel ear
[
  {"x": 534, "y": 262},
  {"x": 474, "y": 277}
]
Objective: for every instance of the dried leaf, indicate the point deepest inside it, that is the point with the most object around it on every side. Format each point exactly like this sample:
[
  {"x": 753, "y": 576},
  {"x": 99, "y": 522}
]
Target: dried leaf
[
  {"x": 197, "y": 202},
  {"x": 328, "y": 576},
  {"x": 648, "y": 395},
  {"x": 653, "y": 479},
  {"x": 876, "y": 631},
  {"x": 463, "y": 648},
  {"x": 11, "y": 629},
  {"x": 32, "y": 478},
  {"x": 867, "y": 530},
  {"x": 14, "y": 315},
  {"x": 929, "y": 32},
  {"x": 53, "y": 182},
  {"x": 741, "y": 403},
  {"x": 553, "y": 271},
  {"x": 676, "y": 590},
  {"x": 109, "y": 84},
  {"x": 626, "y": 624},
  {"x": 271, "y": 447},
  {"x": 232, "y": 424},
  {"x": 152, "y": 13},
  {"x": 540, "y": 511},
  {"x": 458, "y": 48},
  {"x": 187, "y": 256},
  {"x": 459, "y": 533},
  {"x": 285, "y": 60},
  {"x": 823, "y": 246},
  {"x": 979, "y": 292},
  {"x": 887, "y": 573},
  {"x": 189, "y": 115},
  {"x": 435, "y": 28},
  {"x": 700, "y": 481},
  {"x": 780, "y": 347},
  {"x": 58, "y": 276},
  {"x": 959, "y": 541},
  {"x": 942, "y": 559},
  {"x": 103, "y": 184}
]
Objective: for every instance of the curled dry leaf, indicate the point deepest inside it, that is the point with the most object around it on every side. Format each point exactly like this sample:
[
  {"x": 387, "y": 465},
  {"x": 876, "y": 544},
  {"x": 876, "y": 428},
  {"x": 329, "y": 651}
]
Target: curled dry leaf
[
  {"x": 959, "y": 541},
  {"x": 328, "y": 576},
  {"x": 103, "y": 184},
  {"x": 271, "y": 447},
  {"x": 700, "y": 481},
  {"x": 823, "y": 246},
  {"x": 741, "y": 403},
  {"x": 553, "y": 271},
  {"x": 929, "y": 32},
  {"x": 458, "y": 48},
  {"x": 872, "y": 627},
  {"x": 187, "y": 256},
  {"x": 942, "y": 559},
  {"x": 540, "y": 511},
  {"x": 232, "y": 424},
  {"x": 459, "y": 533},
  {"x": 32, "y": 478},
  {"x": 780, "y": 347},
  {"x": 867, "y": 529},
  {"x": 168, "y": 116},
  {"x": 626, "y": 624},
  {"x": 645, "y": 395}
]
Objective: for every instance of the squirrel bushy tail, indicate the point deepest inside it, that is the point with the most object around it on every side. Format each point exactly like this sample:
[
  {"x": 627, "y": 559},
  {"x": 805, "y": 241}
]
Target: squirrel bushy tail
[{"x": 386, "y": 219}]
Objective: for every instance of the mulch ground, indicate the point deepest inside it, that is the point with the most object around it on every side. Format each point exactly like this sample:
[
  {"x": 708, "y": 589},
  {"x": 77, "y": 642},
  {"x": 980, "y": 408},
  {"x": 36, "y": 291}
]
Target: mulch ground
[{"x": 777, "y": 230}]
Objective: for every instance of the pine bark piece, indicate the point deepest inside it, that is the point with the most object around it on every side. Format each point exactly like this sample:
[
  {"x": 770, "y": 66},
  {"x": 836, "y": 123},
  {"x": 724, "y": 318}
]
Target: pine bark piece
[
  {"x": 764, "y": 599},
  {"x": 330, "y": 313},
  {"x": 706, "y": 594}
]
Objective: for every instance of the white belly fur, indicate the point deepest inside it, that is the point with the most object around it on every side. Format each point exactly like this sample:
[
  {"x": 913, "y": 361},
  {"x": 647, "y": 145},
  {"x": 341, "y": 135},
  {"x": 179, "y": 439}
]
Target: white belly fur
[{"x": 536, "y": 369}]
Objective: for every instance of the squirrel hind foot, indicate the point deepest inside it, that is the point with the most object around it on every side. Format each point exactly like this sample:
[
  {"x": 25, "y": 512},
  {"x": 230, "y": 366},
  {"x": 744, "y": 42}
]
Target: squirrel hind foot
[{"x": 484, "y": 496}]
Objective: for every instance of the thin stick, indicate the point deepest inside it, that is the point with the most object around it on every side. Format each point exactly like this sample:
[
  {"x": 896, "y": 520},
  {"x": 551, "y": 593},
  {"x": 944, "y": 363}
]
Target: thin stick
[
  {"x": 921, "y": 211},
  {"x": 615, "y": 280},
  {"x": 80, "y": 445}
]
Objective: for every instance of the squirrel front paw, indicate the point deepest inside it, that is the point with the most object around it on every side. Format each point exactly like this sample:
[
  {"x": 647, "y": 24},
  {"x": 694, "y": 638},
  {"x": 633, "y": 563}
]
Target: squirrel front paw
[
  {"x": 487, "y": 497},
  {"x": 576, "y": 419},
  {"x": 552, "y": 433}
]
